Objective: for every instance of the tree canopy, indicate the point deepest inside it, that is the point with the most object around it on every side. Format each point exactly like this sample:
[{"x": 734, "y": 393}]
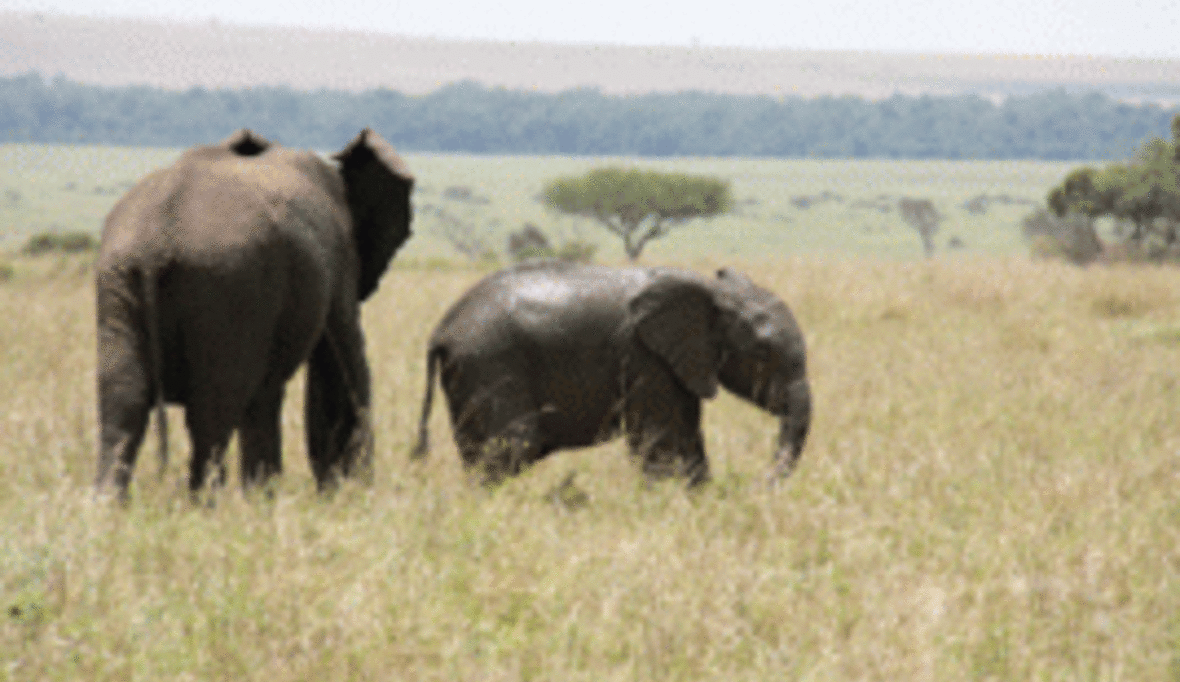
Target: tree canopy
[
  {"x": 1144, "y": 191},
  {"x": 921, "y": 215},
  {"x": 639, "y": 205}
]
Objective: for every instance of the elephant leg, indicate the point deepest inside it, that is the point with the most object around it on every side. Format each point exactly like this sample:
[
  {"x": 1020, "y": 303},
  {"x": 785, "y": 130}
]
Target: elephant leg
[
  {"x": 259, "y": 437},
  {"x": 227, "y": 327},
  {"x": 515, "y": 442},
  {"x": 124, "y": 402},
  {"x": 221, "y": 388},
  {"x": 663, "y": 424},
  {"x": 124, "y": 388},
  {"x": 320, "y": 412},
  {"x": 339, "y": 432},
  {"x": 496, "y": 421},
  {"x": 210, "y": 433}
]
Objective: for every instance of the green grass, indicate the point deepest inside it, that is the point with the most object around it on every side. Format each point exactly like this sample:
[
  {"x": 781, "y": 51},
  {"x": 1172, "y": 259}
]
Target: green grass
[
  {"x": 766, "y": 223},
  {"x": 989, "y": 493},
  {"x": 62, "y": 188},
  {"x": 54, "y": 188}
]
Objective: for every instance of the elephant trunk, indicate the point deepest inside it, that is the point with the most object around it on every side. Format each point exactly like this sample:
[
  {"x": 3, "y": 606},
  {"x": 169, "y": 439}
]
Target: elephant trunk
[
  {"x": 781, "y": 391},
  {"x": 795, "y": 421}
]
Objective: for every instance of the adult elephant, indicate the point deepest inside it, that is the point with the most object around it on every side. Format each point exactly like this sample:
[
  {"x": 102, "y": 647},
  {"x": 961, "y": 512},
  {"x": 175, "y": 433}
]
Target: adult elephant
[
  {"x": 219, "y": 276},
  {"x": 552, "y": 355}
]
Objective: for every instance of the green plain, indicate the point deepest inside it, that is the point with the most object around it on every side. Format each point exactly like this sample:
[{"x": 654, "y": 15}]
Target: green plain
[{"x": 61, "y": 188}]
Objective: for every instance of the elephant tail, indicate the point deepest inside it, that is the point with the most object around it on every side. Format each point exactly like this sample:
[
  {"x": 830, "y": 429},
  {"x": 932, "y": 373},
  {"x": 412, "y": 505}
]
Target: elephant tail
[
  {"x": 156, "y": 358},
  {"x": 433, "y": 359}
]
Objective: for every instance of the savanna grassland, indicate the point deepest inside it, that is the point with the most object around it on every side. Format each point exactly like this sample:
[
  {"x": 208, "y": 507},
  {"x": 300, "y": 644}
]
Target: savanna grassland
[{"x": 989, "y": 492}]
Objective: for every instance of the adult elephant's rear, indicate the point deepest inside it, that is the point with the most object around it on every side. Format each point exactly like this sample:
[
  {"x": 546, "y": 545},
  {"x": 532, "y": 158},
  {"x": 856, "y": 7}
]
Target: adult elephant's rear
[{"x": 220, "y": 275}]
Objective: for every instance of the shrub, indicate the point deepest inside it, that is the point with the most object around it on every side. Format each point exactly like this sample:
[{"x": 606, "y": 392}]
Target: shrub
[
  {"x": 530, "y": 242},
  {"x": 1071, "y": 238},
  {"x": 577, "y": 251},
  {"x": 61, "y": 242}
]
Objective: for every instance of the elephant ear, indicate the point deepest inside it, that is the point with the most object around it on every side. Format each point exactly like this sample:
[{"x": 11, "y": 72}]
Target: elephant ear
[
  {"x": 246, "y": 142},
  {"x": 678, "y": 320},
  {"x": 377, "y": 184},
  {"x": 738, "y": 296}
]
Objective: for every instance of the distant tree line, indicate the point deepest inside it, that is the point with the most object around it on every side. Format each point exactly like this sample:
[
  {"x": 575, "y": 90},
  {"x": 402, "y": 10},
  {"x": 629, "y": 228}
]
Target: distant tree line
[{"x": 467, "y": 117}]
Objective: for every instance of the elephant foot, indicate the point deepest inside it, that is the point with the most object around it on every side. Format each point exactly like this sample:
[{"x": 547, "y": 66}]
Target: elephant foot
[
  {"x": 783, "y": 468},
  {"x": 662, "y": 467},
  {"x": 698, "y": 474},
  {"x": 421, "y": 450},
  {"x": 120, "y": 496}
]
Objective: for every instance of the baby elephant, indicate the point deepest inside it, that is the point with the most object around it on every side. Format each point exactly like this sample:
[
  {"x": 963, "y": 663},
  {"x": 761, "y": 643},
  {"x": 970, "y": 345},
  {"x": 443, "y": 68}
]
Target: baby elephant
[{"x": 551, "y": 355}]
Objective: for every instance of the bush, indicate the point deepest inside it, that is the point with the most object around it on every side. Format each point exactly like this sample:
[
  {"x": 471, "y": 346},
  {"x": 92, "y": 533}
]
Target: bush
[
  {"x": 577, "y": 251},
  {"x": 1071, "y": 238},
  {"x": 530, "y": 243},
  {"x": 6, "y": 272},
  {"x": 61, "y": 242}
]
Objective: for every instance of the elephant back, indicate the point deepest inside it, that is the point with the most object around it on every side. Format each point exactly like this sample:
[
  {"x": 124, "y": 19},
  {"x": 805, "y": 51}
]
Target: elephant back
[{"x": 542, "y": 300}]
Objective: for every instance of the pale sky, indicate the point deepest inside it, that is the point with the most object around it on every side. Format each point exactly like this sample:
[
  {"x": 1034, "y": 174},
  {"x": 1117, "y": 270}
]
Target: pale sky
[{"x": 1135, "y": 28}]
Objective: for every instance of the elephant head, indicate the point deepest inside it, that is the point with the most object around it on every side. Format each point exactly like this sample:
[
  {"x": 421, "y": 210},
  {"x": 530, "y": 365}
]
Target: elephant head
[
  {"x": 731, "y": 332},
  {"x": 377, "y": 185}
]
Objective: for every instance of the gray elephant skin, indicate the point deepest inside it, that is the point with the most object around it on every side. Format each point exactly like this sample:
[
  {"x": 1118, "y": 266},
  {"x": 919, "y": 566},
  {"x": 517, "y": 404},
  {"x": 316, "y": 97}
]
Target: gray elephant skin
[
  {"x": 551, "y": 355},
  {"x": 219, "y": 276}
]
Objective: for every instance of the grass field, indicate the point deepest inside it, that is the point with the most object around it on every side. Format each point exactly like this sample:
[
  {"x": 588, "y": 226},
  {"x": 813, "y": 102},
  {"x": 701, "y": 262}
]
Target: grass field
[
  {"x": 989, "y": 493},
  {"x": 71, "y": 188}
]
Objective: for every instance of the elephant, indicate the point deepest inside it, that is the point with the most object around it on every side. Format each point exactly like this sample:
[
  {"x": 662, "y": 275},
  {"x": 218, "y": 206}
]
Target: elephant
[
  {"x": 219, "y": 276},
  {"x": 550, "y": 355}
]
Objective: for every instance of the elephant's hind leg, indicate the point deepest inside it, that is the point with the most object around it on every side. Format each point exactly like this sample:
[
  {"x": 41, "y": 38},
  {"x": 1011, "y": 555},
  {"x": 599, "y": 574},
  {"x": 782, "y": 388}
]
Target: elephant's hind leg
[
  {"x": 124, "y": 387},
  {"x": 210, "y": 436},
  {"x": 227, "y": 326},
  {"x": 212, "y": 413},
  {"x": 259, "y": 437},
  {"x": 496, "y": 423},
  {"x": 514, "y": 446},
  {"x": 495, "y": 418},
  {"x": 336, "y": 410},
  {"x": 124, "y": 402}
]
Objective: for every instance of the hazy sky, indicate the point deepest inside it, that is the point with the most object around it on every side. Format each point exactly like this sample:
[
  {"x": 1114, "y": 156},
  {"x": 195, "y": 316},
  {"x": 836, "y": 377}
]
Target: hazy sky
[{"x": 1135, "y": 28}]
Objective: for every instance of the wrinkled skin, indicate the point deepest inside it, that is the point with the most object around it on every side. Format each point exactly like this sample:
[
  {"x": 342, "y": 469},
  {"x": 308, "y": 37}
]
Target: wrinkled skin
[
  {"x": 554, "y": 355},
  {"x": 222, "y": 274}
]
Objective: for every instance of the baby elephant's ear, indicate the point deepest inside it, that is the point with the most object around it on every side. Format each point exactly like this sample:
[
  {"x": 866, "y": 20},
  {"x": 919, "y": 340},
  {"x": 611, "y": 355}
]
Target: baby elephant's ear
[{"x": 678, "y": 320}]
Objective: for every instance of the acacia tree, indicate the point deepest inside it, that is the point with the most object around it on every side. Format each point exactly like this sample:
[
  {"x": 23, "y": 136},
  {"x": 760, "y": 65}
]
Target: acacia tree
[
  {"x": 921, "y": 215},
  {"x": 1144, "y": 191},
  {"x": 639, "y": 205}
]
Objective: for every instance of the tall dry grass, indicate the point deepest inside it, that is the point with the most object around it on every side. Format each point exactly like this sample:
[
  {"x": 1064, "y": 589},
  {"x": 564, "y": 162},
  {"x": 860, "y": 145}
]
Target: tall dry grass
[{"x": 989, "y": 493}]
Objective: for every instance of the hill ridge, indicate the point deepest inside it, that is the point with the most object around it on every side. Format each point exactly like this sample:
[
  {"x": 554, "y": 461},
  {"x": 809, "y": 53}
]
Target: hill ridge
[{"x": 182, "y": 55}]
